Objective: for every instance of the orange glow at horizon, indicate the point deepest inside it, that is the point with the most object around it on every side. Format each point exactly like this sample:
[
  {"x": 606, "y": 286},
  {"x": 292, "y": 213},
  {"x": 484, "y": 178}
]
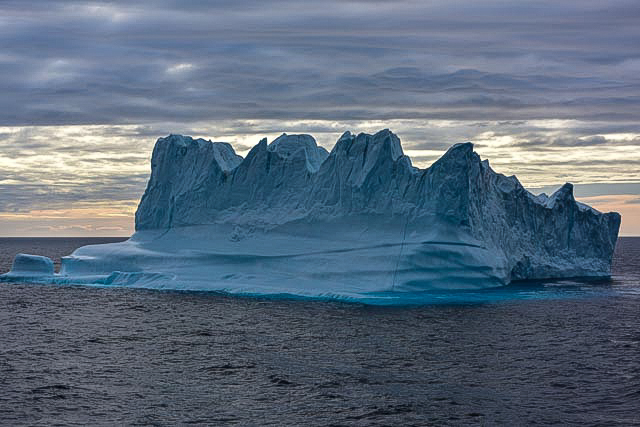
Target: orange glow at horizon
[{"x": 627, "y": 205}]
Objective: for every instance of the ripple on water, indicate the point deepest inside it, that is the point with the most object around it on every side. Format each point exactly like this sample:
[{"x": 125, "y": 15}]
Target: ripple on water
[{"x": 545, "y": 353}]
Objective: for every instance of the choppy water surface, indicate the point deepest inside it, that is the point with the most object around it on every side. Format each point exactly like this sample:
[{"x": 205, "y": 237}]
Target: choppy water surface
[{"x": 546, "y": 353}]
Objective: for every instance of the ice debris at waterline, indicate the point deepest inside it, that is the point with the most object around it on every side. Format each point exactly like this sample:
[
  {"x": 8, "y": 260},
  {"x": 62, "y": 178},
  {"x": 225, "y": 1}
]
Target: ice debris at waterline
[{"x": 357, "y": 223}]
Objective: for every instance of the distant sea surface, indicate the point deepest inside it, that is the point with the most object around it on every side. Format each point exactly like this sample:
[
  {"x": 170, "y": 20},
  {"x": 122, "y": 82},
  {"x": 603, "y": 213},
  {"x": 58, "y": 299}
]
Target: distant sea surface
[{"x": 566, "y": 354}]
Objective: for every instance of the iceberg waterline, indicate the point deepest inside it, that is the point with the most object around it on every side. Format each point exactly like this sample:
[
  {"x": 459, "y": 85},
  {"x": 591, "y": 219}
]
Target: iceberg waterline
[{"x": 357, "y": 223}]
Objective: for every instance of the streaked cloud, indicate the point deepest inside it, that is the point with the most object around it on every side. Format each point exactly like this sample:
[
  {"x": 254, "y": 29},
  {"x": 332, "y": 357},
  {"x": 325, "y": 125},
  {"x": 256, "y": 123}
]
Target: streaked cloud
[{"x": 72, "y": 62}]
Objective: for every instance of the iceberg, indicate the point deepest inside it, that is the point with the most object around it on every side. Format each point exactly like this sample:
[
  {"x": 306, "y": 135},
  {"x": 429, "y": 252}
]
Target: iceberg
[{"x": 357, "y": 223}]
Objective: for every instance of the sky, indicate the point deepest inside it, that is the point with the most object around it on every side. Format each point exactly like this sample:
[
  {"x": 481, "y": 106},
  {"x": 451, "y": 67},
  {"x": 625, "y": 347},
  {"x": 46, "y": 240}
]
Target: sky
[{"x": 546, "y": 90}]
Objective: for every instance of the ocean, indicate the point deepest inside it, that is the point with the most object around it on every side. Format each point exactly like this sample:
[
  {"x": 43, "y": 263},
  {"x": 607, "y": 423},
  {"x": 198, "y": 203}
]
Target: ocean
[{"x": 546, "y": 353}]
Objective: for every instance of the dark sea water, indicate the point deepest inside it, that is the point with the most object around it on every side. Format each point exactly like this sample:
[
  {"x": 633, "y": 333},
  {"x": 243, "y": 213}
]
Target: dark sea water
[{"x": 558, "y": 353}]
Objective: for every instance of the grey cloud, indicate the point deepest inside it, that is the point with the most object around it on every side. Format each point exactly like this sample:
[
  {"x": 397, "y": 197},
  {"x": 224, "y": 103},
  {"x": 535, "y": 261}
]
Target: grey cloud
[
  {"x": 57, "y": 168},
  {"x": 541, "y": 138},
  {"x": 592, "y": 190},
  {"x": 27, "y": 196},
  {"x": 110, "y": 62}
]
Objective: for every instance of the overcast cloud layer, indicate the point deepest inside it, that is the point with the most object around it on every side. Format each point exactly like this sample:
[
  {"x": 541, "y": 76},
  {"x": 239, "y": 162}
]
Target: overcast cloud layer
[
  {"x": 547, "y": 90},
  {"x": 114, "y": 62}
]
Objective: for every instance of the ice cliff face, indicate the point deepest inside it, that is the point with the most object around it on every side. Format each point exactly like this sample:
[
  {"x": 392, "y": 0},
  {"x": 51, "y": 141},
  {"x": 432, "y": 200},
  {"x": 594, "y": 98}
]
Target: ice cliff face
[
  {"x": 359, "y": 222},
  {"x": 182, "y": 166}
]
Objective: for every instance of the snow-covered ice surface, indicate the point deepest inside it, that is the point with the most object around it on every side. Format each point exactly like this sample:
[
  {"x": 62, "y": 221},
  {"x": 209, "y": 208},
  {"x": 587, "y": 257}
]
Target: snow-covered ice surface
[{"x": 359, "y": 223}]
